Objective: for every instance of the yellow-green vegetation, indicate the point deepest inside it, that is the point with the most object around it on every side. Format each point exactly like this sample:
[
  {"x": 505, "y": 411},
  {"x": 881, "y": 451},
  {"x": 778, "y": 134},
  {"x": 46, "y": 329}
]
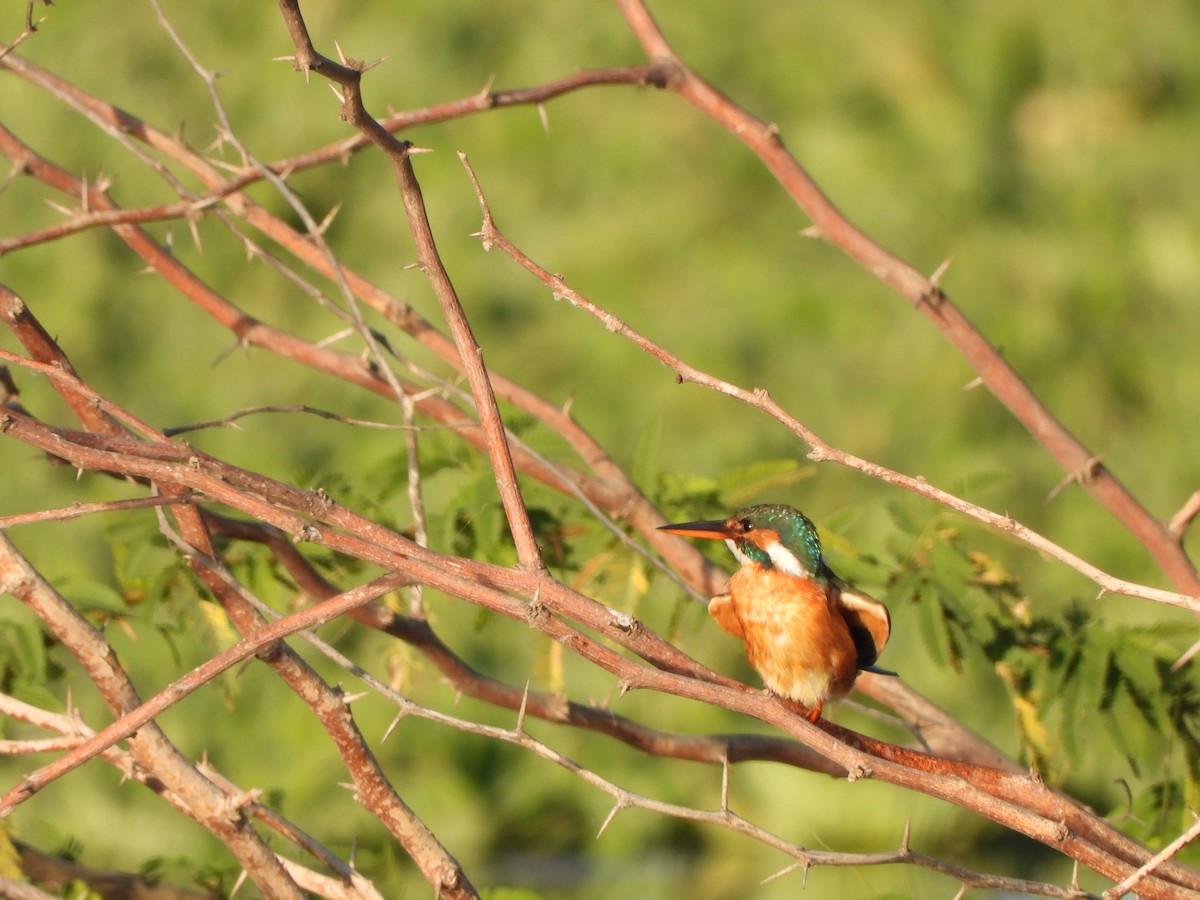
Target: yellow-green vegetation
[{"x": 1053, "y": 159}]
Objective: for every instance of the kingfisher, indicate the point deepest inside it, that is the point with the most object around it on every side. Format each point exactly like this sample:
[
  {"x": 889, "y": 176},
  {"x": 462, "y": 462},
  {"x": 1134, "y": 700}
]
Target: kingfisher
[{"x": 807, "y": 633}]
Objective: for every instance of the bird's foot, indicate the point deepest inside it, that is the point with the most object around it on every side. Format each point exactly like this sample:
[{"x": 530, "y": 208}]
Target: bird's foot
[{"x": 812, "y": 713}]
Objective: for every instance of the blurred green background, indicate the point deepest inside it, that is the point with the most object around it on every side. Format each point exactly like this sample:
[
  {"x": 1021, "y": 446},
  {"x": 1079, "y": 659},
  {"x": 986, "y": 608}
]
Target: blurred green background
[{"x": 1053, "y": 156}]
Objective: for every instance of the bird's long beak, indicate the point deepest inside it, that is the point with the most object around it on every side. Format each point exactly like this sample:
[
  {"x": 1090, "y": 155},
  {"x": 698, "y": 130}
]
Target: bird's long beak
[{"x": 716, "y": 530}]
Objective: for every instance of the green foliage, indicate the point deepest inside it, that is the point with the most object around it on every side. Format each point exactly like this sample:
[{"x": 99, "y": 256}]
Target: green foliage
[
  {"x": 1070, "y": 675},
  {"x": 1055, "y": 163},
  {"x": 25, "y": 668}
]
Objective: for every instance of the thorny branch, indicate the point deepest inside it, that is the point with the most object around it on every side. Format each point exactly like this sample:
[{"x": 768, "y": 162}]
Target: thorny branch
[
  {"x": 188, "y": 479},
  {"x": 926, "y": 295},
  {"x": 821, "y": 450},
  {"x": 1007, "y": 798}
]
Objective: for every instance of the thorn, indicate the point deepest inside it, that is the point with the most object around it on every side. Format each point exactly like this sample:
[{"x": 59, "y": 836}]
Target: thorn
[
  {"x": 620, "y": 805},
  {"x": 812, "y": 232},
  {"x": 341, "y": 55},
  {"x": 1187, "y": 657},
  {"x": 396, "y": 721},
  {"x": 194, "y": 228},
  {"x": 725, "y": 781},
  {"x": 347, "y": 699},
  {"x": 1083, "y": 475},
  {"x": 486, "y": 91},
  {"x": 412, "y": 150},
  {"x": 328, "y": 220},
  {"x": 241, "y": 879},
  {"x": 904, "y": 848},
  {"x": 521, "y": 712},
  {"x": 972, "y": 384},
  {"x": 541, "y": 109},
  {"x": 936, "y": 278},
  {"x": 226, "y": 167},
  {"x": 335, "y": 337},
  {"x": 337, "y": 93},
  {"x": 788, "y": 870}
]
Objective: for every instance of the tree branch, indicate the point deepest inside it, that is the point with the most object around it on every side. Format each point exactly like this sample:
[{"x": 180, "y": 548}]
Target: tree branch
[{"x": 925, "y": 295}]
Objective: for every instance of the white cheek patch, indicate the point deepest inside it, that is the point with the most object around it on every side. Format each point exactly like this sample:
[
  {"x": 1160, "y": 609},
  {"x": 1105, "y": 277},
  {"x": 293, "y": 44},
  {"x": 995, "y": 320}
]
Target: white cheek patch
[
  {"x": 784, "y": 560},
  {"x": 738, "y": 554}
]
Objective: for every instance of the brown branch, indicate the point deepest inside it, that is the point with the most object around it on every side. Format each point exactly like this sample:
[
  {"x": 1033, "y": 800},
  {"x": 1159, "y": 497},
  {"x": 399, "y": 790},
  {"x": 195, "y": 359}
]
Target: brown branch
[
  {"x": 73, "y": 732},
  {"x": 140, "y": 714},
  {"x": 469, "y": 351},
  {"x": 78, "y": 509},
  {"x": 821, "y": 450},
  {"x": 149, "y": 746},
  {"x": 88, "y": 219},
  {"x": 375, "y": 792},
  {"x": 1020, "y": 803},
  {"x": 1184, "y": 516},
  {"x": 621, "y": 624},
  {"x": 611, "y": 490},
  {"x": 721, "y": 817},
  {"x": 60, "y": 874},
  {"x": 1120, "y": 890},
  {"x": 536, "y": 613},
  {"x": 544, "y": 705},
  {"x": 921, "y": 291}
]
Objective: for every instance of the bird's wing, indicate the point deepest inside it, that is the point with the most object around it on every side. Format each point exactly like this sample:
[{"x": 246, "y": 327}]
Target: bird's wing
[
  {"x": 868, "y": 620},
  {"x": 721, "y": 608}
]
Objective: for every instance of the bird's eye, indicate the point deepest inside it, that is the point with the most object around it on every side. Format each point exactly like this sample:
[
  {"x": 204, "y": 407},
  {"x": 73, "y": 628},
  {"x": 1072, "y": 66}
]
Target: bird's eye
[{"x": 747, "y": 525}]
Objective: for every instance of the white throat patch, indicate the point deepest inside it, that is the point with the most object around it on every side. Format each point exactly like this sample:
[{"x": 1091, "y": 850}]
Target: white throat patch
[
  {"x": 785, "y": 561},
  {"x": 781, "y": 558},
  {"x": 737, "y": 554}
]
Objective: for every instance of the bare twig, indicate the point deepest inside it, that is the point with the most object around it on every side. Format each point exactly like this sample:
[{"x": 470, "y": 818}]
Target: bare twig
[
  {"x": 525, "y": 594},
  {"x": 144, "y": 713},
  {"x": 926, "y": 296},
  {"x": 231, "y": 419},
  {"x": 77, "y": 509},
  {"x": 1185, "y": 516},
  {"x": 1007, "y": 798},
  {"x": 149, "y": 746},
  {"x": 821, "y": 450},
  {"x": 1130, "y": 883}
]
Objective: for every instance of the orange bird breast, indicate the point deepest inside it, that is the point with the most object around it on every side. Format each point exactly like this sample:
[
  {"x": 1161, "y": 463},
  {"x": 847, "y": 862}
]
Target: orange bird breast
[{"x": 795, "y": 640}]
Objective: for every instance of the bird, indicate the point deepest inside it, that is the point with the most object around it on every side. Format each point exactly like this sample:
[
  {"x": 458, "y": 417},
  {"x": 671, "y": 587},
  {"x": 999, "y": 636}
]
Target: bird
[{"x": 807, "y": 633}]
